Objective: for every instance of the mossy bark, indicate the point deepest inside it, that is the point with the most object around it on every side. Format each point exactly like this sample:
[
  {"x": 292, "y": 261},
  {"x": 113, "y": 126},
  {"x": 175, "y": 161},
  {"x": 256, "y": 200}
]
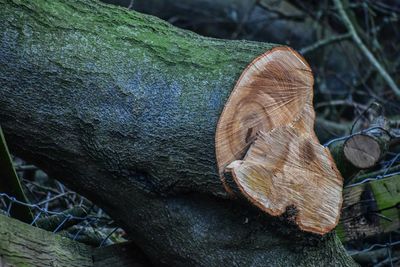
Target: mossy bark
[
  {"x": 22, "y": 245},
  {"x": 370, "y": 209},
  {"x": 123, "y": 108}
]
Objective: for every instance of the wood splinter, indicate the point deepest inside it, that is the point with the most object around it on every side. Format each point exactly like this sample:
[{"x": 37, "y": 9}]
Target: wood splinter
[{"x": 265, "y": 139}]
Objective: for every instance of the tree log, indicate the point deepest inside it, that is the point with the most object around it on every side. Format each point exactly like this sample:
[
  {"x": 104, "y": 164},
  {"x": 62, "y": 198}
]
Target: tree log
[
  {"x": 123, "y": 107},
  {"x": 365, "y": 150},
  {"x": 370, "y": 209},
  {"x": 362, "y": 150},
  {"x": 265, "y": 138},
  {"x": 25, "y": 245}
]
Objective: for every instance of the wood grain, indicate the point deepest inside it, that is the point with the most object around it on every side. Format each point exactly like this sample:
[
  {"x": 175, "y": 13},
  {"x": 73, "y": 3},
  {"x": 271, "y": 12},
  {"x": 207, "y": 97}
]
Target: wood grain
[{"x": 265, "y": 138}]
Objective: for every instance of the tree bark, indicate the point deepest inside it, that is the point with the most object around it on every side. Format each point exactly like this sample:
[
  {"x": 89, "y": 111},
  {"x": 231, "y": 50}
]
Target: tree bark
[
  {"x": 122, "y": 107},
  {"x": 25, "y": 245},
  {"x": 370, "y": 209}
]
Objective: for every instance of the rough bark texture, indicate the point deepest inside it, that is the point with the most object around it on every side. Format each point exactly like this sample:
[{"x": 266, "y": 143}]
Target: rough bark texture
[
  {"x": 25, "y": 245},
  {"x": 122, "y": 107},
  {"x": 370, "y": 209},
  {"x": 22, "y": 245},
  {"x": 119, "y": 255}
]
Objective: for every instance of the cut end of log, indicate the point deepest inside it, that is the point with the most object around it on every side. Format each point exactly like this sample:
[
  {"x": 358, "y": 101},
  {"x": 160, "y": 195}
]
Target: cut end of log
[
  {"x": 265, "y": 139},
  {"x": 363, "y": 151}
]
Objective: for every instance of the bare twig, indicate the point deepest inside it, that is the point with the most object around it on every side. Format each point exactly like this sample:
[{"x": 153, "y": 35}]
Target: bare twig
[
  {"x": 364, "y": 49},
  {"x": 353, "y": 134},
  {"x": 130, "y": 5},
  {"x": 374, "y": 246},
  {"x": 386, "y": 261},
  {"x": 340, "y": 102},
  {"x": 324, "y": 42},
  {"x": 48, "y": 199}
]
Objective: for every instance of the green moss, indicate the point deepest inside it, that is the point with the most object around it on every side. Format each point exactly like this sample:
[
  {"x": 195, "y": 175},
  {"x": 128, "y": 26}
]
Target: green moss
[
  {"x": 341, "y": 233},
  {"x": 387, "y": 196},
  {"x": 118, "y": 33},
  {"x": 25, "y": 245}
]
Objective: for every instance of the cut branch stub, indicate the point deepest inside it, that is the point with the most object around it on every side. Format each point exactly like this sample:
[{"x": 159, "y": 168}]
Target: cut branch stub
[
  {"x": 265, "y": 138},
  {"x": 363, "y": 151}
]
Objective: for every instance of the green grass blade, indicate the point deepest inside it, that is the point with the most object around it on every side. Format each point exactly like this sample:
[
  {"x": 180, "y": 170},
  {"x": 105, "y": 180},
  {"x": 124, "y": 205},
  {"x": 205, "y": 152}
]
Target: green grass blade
[{"x": 10, "y": 184}]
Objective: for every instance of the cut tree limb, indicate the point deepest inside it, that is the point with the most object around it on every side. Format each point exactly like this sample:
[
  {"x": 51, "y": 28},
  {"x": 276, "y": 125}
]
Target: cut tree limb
[
  {"x": 265, "y": 137},
  {"x": 363, "y": 149},
  {"x": 123, "y": 108},
  {"x": 366, "y": 149}
]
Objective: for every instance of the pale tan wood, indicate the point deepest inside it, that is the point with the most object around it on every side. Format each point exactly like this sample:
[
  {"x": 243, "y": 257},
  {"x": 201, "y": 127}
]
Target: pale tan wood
[
  {"x": 265, "y": 138},
  {"x": 363, "y": 151}
]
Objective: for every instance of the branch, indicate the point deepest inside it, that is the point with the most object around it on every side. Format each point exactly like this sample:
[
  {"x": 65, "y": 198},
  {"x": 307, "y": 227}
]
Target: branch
[
  {"x": 25, "y": 245},
  {"x": 324, "y": 42},
  {"x": 350, "y": 27}
]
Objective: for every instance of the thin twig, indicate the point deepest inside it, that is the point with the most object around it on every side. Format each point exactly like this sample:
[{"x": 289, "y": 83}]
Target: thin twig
[
  {"x": 376, "y": 246},
  {"x": 324, "y": 42},
  {"x": 49, "y": 199},
  {"x": 340, "y": 102},
  {"x": 130, "y": 5},
  {"x": 373, "y": 179},
  {"x": 108, "y": 236},
  {"x": 354, "y": 134},
  {"x": 364, "y": 49}
]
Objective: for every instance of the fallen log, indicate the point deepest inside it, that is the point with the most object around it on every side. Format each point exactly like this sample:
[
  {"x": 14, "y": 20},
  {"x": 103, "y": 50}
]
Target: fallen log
[
  {"x": 364, "y": 149},
  {"x": 25, "y": 245},
  {"x": 123, "y": 108}
]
